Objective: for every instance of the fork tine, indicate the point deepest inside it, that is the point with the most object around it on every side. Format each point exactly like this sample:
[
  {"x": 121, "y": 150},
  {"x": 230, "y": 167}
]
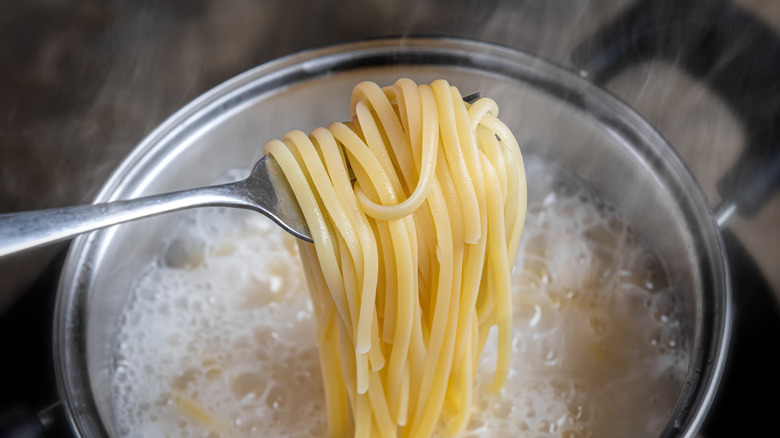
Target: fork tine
[
  {"x": 270, "y": 191},
  {"x": 471, "y": 98}
]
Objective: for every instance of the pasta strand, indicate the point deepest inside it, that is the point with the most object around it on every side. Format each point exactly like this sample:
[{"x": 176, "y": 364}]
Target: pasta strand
[{"x": 416, "y": 207}]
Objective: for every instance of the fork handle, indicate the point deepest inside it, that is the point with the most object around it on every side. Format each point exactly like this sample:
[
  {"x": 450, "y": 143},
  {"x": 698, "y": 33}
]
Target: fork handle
[{"x": 31, "y": 229}]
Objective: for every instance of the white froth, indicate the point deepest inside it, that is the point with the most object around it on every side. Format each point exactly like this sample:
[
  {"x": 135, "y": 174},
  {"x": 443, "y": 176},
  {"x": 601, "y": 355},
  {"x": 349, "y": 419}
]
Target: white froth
[{"x": 217, "y": 339}]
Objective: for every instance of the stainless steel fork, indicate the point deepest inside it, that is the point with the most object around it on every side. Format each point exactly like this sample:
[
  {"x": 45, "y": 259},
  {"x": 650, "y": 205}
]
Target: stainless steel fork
[{"x": 265, "y": 190}]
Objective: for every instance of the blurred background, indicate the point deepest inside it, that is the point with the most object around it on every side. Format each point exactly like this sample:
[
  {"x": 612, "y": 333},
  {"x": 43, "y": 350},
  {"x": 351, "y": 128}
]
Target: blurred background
[{"x": 83, "y": 81}]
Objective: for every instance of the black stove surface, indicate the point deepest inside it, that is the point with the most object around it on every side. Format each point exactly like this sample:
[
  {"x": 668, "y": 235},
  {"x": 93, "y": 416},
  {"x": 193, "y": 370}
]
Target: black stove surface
[
  {"x": 745, "y": 405},
  {"x": 747, "y": 401}
]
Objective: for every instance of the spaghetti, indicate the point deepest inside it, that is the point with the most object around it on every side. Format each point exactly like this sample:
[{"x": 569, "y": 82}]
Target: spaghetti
[{"x": 416, "y": 207}]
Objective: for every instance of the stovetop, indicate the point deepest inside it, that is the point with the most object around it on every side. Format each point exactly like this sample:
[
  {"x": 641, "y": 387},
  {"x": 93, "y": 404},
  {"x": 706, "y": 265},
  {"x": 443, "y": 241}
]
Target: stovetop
[{"x": 82, "y": 82}]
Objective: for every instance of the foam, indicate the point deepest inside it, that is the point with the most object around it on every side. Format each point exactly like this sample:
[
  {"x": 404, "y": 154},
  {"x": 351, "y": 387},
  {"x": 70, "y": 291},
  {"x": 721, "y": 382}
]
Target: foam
[{"x": 217, "y": 337}]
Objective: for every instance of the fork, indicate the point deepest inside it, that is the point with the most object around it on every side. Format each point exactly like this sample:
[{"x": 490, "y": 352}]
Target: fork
[{"x": 265, "y": 190}]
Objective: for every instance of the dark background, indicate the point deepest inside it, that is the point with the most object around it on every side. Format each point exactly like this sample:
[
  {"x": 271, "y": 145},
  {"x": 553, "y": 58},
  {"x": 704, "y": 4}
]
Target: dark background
[{"x": 83, "y": 81}]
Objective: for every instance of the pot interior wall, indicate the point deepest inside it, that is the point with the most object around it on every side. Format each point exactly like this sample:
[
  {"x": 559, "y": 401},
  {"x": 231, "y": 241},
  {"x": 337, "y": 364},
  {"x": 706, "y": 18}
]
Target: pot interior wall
[{"x": 555, "y": 116}]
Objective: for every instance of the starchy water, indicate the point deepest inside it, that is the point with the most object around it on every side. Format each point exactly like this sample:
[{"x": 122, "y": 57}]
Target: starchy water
[{"x": 217, "y": 339}]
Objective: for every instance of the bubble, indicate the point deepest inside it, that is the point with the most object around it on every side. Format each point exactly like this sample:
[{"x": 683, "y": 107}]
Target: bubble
[
  {"x": 248, "y": 382},
  {"x": 184, "y": 253},
  {"x": 236, "y": 335},
  {"x": 664, "y": 307},
  {"x": 546, "y": 426},
  {"x": 602, "y": 237},
  {"x": 196, "y": 333}
]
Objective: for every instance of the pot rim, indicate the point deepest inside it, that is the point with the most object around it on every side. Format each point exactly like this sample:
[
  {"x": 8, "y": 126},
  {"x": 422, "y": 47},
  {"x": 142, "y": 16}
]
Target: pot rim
[{"x": 69, "y": 339}]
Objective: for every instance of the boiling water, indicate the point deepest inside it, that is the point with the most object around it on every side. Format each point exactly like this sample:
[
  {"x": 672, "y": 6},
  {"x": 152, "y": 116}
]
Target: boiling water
[{"x": 217, "y": 339}]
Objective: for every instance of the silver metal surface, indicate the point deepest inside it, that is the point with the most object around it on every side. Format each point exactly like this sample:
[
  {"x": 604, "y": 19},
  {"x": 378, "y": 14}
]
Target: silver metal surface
[
  {"x": 724, "y": 213},
  {"x": 556, "y": 115},
  {"x": 265, "y": 191}
]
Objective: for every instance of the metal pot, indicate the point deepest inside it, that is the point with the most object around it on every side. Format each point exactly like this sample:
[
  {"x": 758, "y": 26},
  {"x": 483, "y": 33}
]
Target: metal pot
[{"x": 555, "y": 114}]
